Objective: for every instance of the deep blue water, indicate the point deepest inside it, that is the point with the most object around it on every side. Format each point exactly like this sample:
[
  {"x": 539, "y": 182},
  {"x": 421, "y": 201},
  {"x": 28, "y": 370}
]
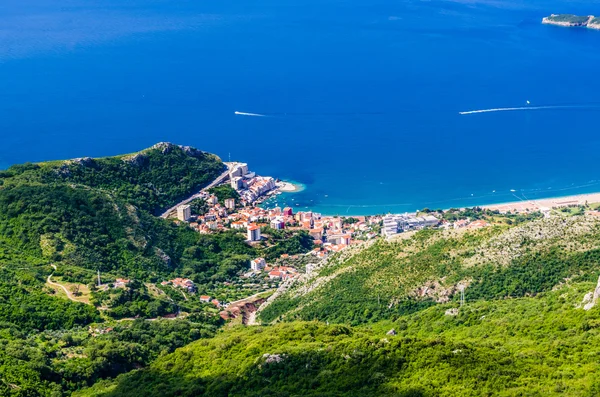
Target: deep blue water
[{"x": 362, "y": 96}]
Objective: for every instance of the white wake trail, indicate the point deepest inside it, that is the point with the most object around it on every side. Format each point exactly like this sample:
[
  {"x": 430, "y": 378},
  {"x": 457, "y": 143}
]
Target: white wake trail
[
  {"x": 249, "y": 114},
  {"x": 522, "y": 108}
]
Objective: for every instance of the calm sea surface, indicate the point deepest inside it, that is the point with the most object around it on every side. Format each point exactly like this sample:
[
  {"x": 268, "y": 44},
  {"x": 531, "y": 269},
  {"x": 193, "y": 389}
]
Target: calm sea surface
[{"x": 361, "y": 97}]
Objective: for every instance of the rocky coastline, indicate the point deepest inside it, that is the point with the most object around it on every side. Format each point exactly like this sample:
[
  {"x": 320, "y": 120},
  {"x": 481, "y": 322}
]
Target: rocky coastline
[{"x": 572, "y": 21}]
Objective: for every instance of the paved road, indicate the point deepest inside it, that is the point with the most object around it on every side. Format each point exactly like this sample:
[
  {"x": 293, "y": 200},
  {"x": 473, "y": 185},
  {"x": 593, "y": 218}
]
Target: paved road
[{"x": 214, "y": 183}]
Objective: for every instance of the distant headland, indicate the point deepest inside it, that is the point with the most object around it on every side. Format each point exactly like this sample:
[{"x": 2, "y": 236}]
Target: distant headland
[{"x": 570, "y": 20}]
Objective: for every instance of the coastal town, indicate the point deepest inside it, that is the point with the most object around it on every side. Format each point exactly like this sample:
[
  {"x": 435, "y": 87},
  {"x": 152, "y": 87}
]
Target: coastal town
[{"x": 234, "y": 205}]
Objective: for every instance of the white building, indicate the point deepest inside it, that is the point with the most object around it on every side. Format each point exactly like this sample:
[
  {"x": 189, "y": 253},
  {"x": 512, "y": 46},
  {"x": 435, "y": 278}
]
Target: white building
[
  {"x": 239, "y": 170},
  {"x": 212, "y": 200},
  {"x": 184, "y": 213},
  {"x": 237, "y": 183},
  {"x": 393, "y": 224},
  {"x": 253, "y": 233},
  {"x": 277, "y": 224},
  {"x": 230, "y": 204},
  {"x": 258, "y": 264},
  {"x": 306, "y": 216}
]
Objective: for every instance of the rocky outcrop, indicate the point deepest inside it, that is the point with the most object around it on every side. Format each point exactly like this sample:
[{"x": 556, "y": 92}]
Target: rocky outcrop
[
  {"x": 164, "y": 147},
  {"x": 594, "y": 23},
  {"x": 137, "y": 160},
  {"x": 452, "y": 312},
  {"x": 84, "y": 161},
  {"x": 591, "y": 298},
  {"x": 242, "y": 309},
  {"x": 167, "y": 147},
  {"x": 273, "y": 358},
  {"x": 162, "y": 255}
]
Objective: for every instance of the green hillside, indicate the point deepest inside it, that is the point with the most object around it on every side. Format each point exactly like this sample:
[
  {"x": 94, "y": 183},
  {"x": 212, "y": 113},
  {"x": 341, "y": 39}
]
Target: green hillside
[
  {"x": 69, "y": 219},
  {"x": 390, "y": 278},
  {"x": 152, "y": 179},
  {"x": 94, "y": 213},
  {"x": 535, "y": 346},
  {"x": 521, "y": 330},
  {"x": 568, "y": 18}
]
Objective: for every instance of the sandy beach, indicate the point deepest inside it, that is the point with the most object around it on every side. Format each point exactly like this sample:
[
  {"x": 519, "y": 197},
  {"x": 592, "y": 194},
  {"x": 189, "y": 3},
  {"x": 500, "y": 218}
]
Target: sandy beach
[
  {"x": 288, "y": 187},
  {"x": 545, "y": 204}
]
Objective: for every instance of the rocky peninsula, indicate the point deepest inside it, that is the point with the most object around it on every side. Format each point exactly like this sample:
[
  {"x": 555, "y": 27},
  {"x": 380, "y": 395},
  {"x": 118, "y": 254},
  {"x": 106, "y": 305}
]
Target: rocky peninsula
[{"x": 570, "y": 20}]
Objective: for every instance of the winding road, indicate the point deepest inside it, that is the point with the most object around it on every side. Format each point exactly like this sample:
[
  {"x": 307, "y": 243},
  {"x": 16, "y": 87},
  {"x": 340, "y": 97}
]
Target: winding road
[{"x": 220, "y": 179}]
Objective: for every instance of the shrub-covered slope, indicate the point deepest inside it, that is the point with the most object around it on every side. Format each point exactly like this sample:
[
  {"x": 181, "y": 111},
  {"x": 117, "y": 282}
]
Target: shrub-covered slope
[
  {"x": 390, "y": 278},
  {"x": 68, "y": 219},
  {"x": 534, "y": 346},
  {"x": 93, "y": 213},
  {"x": 151, "y": 180}
]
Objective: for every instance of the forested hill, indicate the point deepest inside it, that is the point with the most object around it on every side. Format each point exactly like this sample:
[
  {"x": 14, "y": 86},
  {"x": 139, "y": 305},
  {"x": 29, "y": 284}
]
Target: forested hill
[
  {"x": 385, "y": 319},
  {"x": 95, "y": 213},
  {"x": 61, "y": 222},
  {"x": 534, "y": 346},
  {"x": 151, "y": 179},
  {"x": 392, "y": 278}
]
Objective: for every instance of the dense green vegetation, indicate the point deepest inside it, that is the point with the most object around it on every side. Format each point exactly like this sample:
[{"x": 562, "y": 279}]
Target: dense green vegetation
[
  {"x": 25, "y": 304},
  {"x": 285, "y": 241},
  {"x": 536, "y": 346},
  {"x": 391, "y": 278},
  {"x": 53, "y": 362},
  {"x": 477, "y": 213},
  {"x": 74, "y": 218},
  {"x": 521, "y": 332},
  {"x": 569, "y": 18},
  {"x": 224, "y": 192}
]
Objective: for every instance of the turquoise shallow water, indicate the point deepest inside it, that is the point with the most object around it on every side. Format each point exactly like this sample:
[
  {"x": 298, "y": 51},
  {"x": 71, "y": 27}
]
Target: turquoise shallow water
[{"x": 361, "y": 98}]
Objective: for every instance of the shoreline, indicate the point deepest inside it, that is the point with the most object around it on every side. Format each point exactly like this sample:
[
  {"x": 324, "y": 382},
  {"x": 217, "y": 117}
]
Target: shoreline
[
  {"x": 288, "y": 187},
  {"x": 544, "y": 204},
  {"x": 524, "y": 206}
]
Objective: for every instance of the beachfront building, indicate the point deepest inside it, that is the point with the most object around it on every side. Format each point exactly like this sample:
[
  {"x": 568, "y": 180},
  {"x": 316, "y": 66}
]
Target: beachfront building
[
  {"x": 253, "y": 233},
  {"x": 230, "y": 204},
  {"x": 396, "y": 223},
  {"x": 184, "y": 213},
  {"x": 287, "y": 211},
  {"x": 237, "y": 183},
  {"x": 239, "y": 170},
  {"x": 258, "y": 264}
]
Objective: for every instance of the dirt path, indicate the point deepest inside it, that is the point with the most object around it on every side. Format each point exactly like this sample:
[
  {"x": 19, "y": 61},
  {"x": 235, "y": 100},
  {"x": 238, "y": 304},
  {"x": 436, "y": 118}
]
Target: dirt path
[{"x": 69, "y": 295}]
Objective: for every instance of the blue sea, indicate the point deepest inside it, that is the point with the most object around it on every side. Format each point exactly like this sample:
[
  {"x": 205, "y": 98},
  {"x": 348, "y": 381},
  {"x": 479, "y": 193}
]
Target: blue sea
[{"x": 360, "y": 99}]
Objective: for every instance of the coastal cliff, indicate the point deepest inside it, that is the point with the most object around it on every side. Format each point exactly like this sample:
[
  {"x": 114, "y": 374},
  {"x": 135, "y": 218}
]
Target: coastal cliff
[
  {"x": 594, "y": 23},
  {"x": 570, "y": 20}
]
